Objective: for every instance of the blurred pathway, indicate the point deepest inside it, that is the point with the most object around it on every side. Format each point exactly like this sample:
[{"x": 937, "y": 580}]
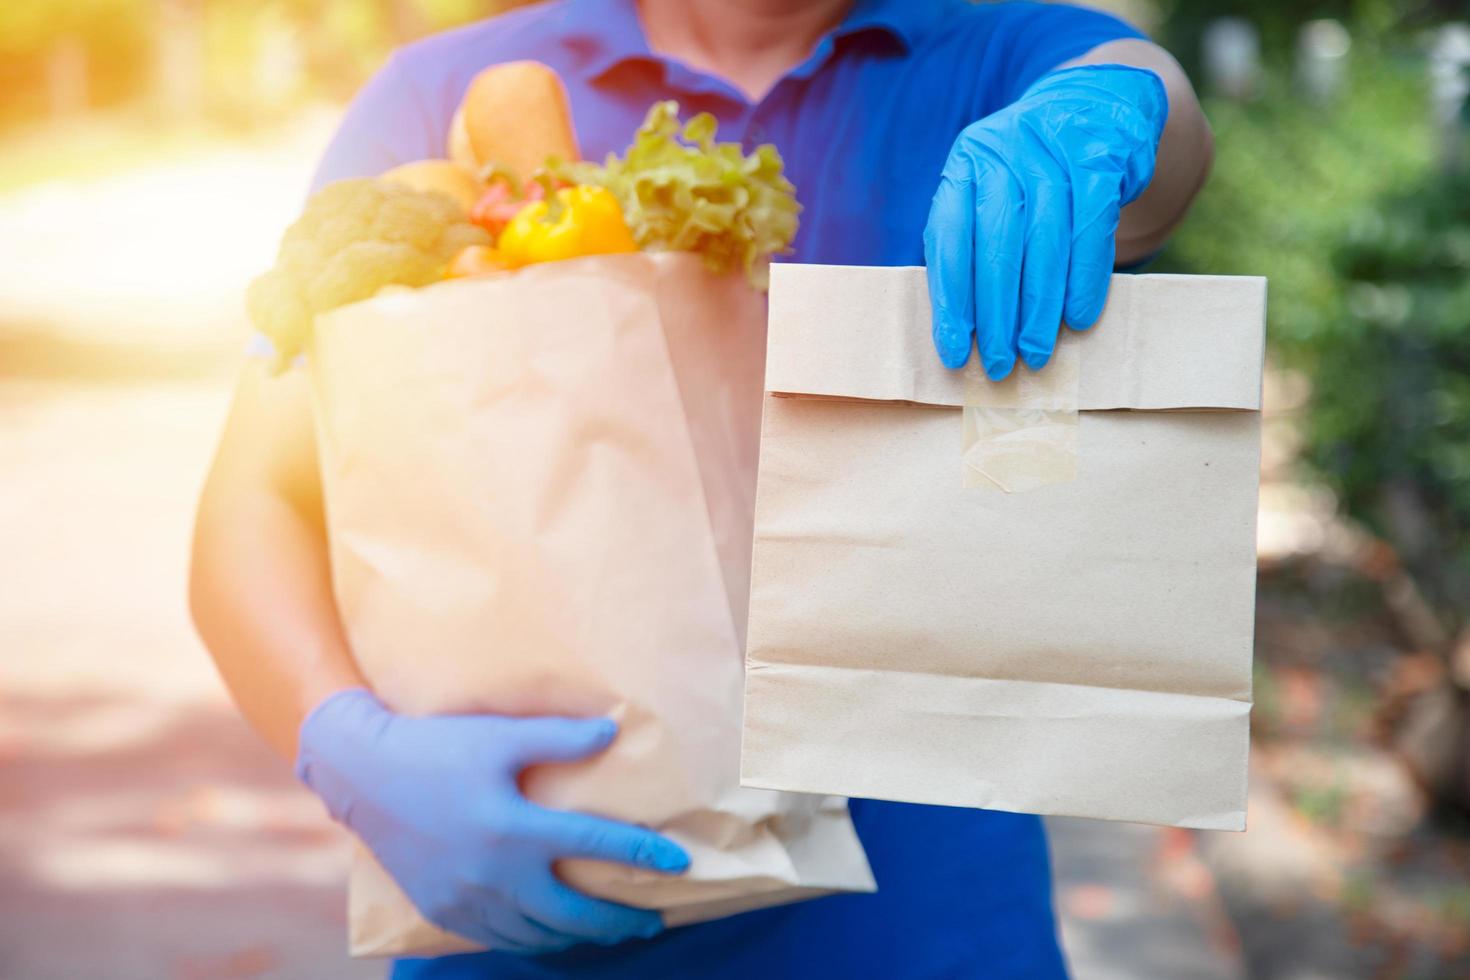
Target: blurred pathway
[
  {"x": 1137, "y": 903},
  {"x": 144, "y": 833}
]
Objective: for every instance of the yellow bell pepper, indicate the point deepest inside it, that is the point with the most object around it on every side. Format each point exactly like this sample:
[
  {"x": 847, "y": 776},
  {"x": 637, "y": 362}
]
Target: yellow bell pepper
[{"x": 585, "y": 221}]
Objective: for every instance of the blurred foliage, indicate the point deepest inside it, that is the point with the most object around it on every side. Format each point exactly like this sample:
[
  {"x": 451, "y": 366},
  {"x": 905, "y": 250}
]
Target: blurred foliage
[
  {"x": 253, "y": 53},
  {"x": 111, "y": 32},
  {"x": 1392, "y": 428},
  {"x": 1289, "y": 177},
  {"x": 1365, "y": 237},
  {"x": 29, "y": 26},
  {"x": 1184, "y": 21},
  {"x": 1322, "y": 804}
]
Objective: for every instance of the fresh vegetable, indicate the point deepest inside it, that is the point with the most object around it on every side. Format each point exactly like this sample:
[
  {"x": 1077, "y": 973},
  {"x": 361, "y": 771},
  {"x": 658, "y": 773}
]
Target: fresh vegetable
[
  {"x": 674, "y": 189},
  {"x": 355, "y": 237},
  {"x": 577, "y": 221},
  {"x": 515, "y": 116},
  {"x": 682, "y": 191},
  {"x": 501, "y": 202},
  {"x": 476, "y": 260},
  {"x": 457, "y": 147},
  {"x": 444, "y": 176}
]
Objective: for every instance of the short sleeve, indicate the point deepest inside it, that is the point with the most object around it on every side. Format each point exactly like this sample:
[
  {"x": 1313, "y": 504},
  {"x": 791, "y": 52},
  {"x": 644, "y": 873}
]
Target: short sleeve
[
  {"x": 1037, "y": 37},
  {"x": 387, "y": 124}
]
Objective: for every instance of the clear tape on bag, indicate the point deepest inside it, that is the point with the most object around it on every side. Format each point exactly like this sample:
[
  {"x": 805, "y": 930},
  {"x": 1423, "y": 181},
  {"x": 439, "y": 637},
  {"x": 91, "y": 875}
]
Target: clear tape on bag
[{"x": 1020, "y": 434}]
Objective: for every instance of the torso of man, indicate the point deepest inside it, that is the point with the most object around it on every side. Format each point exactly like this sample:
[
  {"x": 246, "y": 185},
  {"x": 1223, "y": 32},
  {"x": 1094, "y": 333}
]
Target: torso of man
[{"x": 864, "y": 125}]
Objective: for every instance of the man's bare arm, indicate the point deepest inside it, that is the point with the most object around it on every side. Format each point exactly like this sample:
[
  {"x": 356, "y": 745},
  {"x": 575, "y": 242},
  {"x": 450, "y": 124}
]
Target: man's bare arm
[{"x": 260, "y": 587}]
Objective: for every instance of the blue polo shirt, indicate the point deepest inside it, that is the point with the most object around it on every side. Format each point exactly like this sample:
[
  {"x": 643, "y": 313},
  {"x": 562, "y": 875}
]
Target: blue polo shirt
[{"x": 864, "y": 125}]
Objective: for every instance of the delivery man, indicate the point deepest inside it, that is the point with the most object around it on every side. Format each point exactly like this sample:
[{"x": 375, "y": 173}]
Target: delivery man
[{"x": 1022, "y": 151}]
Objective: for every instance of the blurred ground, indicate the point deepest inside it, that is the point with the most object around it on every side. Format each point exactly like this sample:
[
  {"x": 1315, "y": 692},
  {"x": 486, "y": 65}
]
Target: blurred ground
[
  {"x": 145, "y": 833},
  {"x": 1137, "y": 903}
]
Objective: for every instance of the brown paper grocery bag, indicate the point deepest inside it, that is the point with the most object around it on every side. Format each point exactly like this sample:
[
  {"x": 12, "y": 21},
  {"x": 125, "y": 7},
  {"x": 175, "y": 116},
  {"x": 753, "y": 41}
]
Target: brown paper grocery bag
[
  {"x": 539, "y": 496},
  {"x": 1033, "y": 596}
]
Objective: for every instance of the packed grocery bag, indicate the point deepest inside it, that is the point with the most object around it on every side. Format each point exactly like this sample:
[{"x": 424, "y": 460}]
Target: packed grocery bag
[{"x": 538, "y": 404}]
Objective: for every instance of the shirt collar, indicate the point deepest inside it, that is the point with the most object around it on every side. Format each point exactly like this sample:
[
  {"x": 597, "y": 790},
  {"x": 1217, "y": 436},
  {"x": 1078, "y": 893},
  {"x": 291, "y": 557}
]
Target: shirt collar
[
  {"x": 907, "y": 21},
  {"x": 604, "y": 34},
  {"x": 607, "y": 33}
]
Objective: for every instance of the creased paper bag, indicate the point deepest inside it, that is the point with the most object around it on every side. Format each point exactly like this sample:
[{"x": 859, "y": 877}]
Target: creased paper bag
[
  {"x": 1033, "y": 596},
  {"x": 539, "y": 494}
]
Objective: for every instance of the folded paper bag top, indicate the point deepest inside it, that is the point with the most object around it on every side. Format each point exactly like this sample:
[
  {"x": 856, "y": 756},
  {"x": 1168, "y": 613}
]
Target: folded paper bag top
[
  {"x": 1164, "y": 342},
  {"x": 1082, "y": 647}
]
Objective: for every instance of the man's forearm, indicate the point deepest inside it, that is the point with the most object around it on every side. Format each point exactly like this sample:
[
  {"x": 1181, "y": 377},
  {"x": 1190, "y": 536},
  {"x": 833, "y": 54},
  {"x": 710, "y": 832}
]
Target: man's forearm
[
  {"x": 260, "y": 586},
  {"x": 261, "y": 598},
  {"x": 1184, "y": 158}
]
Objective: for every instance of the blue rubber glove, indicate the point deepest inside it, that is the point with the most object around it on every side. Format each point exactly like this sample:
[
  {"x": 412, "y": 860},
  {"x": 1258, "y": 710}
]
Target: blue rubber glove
[
  {"x": 1020, "y": 234},
  {"x": 436, "y": 800}
]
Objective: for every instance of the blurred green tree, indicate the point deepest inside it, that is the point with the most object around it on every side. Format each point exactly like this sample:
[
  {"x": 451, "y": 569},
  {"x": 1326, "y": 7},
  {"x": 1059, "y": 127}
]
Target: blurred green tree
[
  {"x": 1366, "y": 240},
  {"x": 1392, "y": 428},
  {"x": 1184, "y": 21},
  {"x": 340, "y": 43},
  {"x": 108, "y": 34}
]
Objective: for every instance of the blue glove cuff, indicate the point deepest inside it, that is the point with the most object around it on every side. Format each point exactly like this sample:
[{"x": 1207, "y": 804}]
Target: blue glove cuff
[
  {"x": 339, "y": 724},
  {"x": 1140, "y": 103},
  {"x": 1141, "y": 88}
]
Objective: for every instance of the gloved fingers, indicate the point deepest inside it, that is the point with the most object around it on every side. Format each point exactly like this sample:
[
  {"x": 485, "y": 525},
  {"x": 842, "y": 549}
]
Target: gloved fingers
[
  {"x": 516, "y": 932},
  {"x": 479, "y": 924},
  {"x": 495, "y": 940},
  {"x": 580, "y": 835},
  {"x": 949, "y": 260},
  {"x": 589, "y": 919},
  {"x": 499, "y": 924},
  {"x": 1097, "y": 207},
  {"x": 1001, "y": 218},
  {"x": 535, "y": 740},
  {"x": 1044, "y": 271}
]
